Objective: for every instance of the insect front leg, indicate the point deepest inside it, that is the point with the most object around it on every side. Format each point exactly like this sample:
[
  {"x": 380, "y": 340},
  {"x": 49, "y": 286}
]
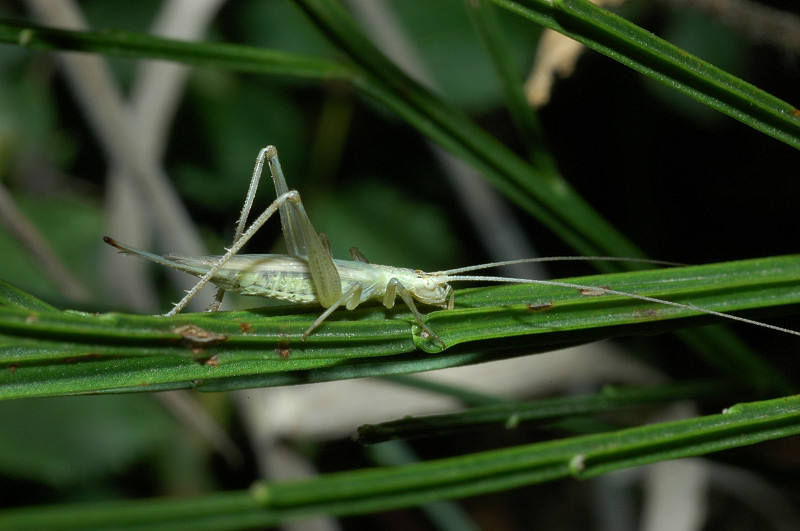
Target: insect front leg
[{"x": 394, "y": 288}]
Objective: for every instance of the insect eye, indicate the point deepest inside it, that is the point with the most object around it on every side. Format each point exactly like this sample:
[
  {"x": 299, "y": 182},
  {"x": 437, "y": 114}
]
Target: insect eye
[{"x": 427, "y": 283}]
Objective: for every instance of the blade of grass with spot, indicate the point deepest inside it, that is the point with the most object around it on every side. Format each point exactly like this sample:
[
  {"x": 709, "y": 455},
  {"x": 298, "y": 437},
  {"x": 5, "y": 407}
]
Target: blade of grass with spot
[{"x": 46, "y": 353}]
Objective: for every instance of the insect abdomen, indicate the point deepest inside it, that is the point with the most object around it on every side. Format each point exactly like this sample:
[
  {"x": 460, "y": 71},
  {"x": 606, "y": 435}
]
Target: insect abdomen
[
  {"x": 274, "y": 276},
  {"x": 291, "y": 287}
]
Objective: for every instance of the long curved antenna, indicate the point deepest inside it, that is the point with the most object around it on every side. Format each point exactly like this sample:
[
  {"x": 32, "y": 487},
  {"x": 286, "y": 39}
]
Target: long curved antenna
[
  {"x": 481, "y": 278},
  {"x": 555, "y": 259}
]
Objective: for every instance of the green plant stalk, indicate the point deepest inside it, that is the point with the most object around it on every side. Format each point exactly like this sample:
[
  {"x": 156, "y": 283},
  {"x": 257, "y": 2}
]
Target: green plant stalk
[
  {"x": 512, "y": 414},
  {"x": 581, "y": 457},
  {"x": 627, "y": 43},
  {"x": 494, "y": 40},
  {"x": 388, "y": 488},
  {"x": 548, "y": 198},
  {"x": 47, "y": 353}
]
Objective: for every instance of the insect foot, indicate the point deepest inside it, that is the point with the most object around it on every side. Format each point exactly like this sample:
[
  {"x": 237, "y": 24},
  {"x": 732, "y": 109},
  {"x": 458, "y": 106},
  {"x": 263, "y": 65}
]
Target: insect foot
[{"x": 426, "y": 339}]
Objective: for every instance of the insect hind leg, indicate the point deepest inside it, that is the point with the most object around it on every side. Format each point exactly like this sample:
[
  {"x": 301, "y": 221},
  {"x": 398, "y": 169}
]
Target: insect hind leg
[
  {"x": 241, "y": 223},
  {"x": 301, "y": 238}
]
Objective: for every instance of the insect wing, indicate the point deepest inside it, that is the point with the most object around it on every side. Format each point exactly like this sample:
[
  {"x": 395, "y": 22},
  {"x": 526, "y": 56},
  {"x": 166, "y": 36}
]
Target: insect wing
[
  {"x": 290, "y": 214},
  {"x": 302, "y": 240}
]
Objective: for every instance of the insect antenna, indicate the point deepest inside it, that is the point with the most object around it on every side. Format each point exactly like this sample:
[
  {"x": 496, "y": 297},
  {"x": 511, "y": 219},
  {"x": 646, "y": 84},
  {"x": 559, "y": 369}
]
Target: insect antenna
[
  {"x": 556, "y": 259},
  {"x": 488, "y": 278}
]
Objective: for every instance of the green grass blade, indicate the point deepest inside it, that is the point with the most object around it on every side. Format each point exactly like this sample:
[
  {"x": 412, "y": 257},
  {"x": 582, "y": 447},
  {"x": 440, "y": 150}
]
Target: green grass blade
[
  {"x": 388, "y": 488},
  {"x": 139, "y": 45},
  {"x": 642, "y": 51},
  {"x": 490, "y": 31},
  {"x": 548, "y": 197},
  {"x": 46, "y": 353},
  {"x": 16, "y": 298},
  {"x": 581, "y": 457},
  {"x": 506, "y": 414}
]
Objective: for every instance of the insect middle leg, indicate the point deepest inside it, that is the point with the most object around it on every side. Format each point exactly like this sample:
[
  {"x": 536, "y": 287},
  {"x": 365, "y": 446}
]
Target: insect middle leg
[{"x": 394, "y": 288}]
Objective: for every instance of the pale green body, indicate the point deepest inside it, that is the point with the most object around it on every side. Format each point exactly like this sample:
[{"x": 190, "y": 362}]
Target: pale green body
[
  {"x": 288, "y": 278},
  {"x": 309, "y": 274}
]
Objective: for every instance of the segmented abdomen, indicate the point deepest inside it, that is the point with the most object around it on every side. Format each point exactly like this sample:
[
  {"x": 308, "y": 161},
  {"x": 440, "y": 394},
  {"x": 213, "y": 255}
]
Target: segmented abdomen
[
  {"x": 291, "y": 287},
  {"x": 274, "y": 276},
  {"x": 283, "y": 277}
]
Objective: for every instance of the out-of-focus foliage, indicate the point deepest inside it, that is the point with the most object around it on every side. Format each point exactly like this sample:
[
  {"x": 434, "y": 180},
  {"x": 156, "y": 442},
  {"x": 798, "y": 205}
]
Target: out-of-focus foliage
[{"x": 683, "y": 182}]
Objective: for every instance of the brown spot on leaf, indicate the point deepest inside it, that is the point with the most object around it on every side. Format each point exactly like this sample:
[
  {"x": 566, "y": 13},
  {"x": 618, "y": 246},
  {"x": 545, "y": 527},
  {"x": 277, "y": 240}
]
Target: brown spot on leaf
[
  {"x": 594, "y": 292},
  {"x": 198, "y": 339},
  {"x": 283, "y": 350},
  {"x": 649, "y": 313}
]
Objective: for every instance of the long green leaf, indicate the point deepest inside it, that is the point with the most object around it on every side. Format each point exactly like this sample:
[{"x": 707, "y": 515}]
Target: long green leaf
[
  {"x": 627, "y": 43},
  {"x": 559, "y": 207},
  {"x": 140, "y": 46},
  {"x": 387, "y": 488},
  {"x": 48, "y": 353},
  {"x": 510, "y": 414},
  {"x": 494, "y": 39}
]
